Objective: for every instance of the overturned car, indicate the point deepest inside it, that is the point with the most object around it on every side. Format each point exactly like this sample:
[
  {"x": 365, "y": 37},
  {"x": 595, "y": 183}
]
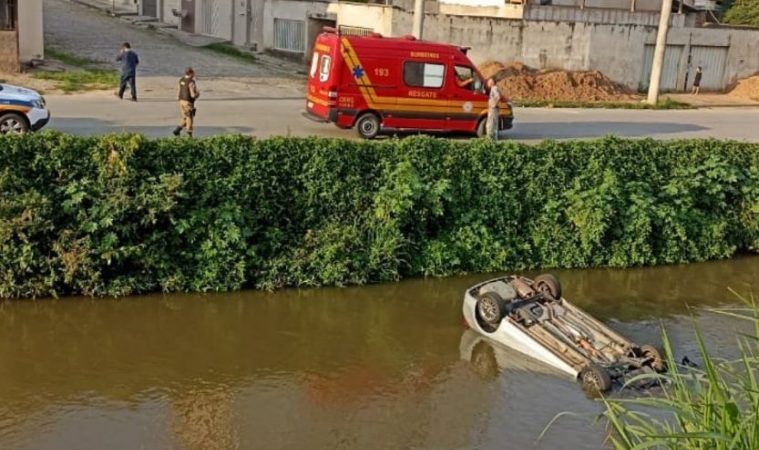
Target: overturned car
[{"x": 532, "y": 317}]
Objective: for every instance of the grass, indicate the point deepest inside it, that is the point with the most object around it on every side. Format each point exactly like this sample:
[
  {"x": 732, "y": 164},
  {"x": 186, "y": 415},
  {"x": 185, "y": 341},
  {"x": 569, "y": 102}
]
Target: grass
[
  {"x": 666, "y": 103},
  {"x": 714, "y": 407},
  {"x": 85, "y": 76},
  {"x": 230, "y": 50}
]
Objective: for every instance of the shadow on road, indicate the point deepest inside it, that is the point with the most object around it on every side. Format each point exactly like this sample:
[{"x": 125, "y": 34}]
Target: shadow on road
[
  {"x": 85, "y": 126},
  {"x": 568, "y": 130}
]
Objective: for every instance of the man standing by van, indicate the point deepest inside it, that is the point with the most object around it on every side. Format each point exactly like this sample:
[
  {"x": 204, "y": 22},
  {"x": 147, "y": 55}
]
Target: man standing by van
[
  {"x": 187, "y": 93},
  {"x": 494, "y": 99}
]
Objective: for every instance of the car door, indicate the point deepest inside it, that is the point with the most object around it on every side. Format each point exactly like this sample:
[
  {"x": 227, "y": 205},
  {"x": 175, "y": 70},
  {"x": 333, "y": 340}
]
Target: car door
[{"x": 467, "y": 99}]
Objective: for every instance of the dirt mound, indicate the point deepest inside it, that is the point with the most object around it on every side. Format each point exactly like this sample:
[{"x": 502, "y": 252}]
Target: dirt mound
[
  {"x": 747, "y": 88},
  {"x": 520, "y": 82}
]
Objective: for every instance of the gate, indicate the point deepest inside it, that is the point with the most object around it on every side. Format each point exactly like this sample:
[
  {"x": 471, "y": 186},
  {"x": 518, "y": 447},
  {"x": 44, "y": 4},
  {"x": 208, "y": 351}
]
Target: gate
[
  {"x": 150, "y": 8},
  {"x": 670, "y": 70},
  {"x": 290, "y": 35},
  {"x": 712, "y": 60},
  {"x": 217, "y": 18}
]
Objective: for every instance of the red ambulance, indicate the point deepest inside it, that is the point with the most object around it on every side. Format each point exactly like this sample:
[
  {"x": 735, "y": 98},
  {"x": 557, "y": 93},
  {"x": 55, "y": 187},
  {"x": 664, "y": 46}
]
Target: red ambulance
[{"x": 380, "y": 84}]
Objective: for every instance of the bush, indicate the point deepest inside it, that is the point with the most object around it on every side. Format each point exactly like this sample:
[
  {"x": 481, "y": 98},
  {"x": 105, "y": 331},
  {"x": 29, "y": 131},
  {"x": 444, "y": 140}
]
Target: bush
[
  {"x": 715, "y": 407},
  {"x": 123, "y": 214}
]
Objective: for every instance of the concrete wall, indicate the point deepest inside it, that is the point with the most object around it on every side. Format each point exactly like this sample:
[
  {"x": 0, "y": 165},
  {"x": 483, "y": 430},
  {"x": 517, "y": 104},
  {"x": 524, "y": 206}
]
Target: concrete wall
[
  {"x": 165, "y": 11},
  {"x": 9, "y": 52},
  {"x": 294, "y": 10},
  {"x": 31, "y": 39},
  {"x": 599, "y": 15},
  {"x": 377, "y": 17},
  {"x": 616, "y": 50}
]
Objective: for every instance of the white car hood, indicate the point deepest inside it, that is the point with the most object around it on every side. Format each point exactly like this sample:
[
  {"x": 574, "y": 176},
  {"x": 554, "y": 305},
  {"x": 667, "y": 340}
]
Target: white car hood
[{"x": 10, "y": 92}]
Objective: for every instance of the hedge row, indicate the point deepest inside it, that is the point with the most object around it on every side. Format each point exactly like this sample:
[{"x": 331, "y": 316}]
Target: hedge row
[{"x": 123, "y": 214}]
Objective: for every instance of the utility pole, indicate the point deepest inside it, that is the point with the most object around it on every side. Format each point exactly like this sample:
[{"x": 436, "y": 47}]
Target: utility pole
[
  {"x": 418, "y": 18},
  {"x": 661, "y": 46}
]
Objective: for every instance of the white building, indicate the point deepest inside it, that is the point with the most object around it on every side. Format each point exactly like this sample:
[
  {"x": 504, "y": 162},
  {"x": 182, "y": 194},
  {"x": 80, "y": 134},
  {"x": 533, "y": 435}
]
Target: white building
[
  {"x": 285, "y": 26},
  {"x": 21, "y": 36}
]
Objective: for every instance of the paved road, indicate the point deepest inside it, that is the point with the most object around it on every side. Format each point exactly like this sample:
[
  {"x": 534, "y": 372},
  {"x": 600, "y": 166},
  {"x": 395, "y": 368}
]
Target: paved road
[
  {"x": 262, "y": 116},
  {"x": 94, "y": 35}
]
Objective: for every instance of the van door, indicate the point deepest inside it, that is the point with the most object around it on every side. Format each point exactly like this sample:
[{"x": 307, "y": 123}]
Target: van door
[
  {"x": 421, "y": 102},
  {"x": 467, "y": 99}
]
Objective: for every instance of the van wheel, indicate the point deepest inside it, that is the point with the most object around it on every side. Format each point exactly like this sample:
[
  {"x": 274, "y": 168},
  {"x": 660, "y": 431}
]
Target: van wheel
[
  {"x": 482, "y": 127},
  {"x": 13, "y": 123},
  {"x": 368, "y": 125},
  {"x": 652, "y": 353}
]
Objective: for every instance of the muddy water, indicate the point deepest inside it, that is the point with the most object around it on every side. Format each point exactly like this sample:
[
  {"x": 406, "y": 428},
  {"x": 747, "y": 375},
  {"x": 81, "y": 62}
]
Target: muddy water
[{"x": 387, "y": 366}]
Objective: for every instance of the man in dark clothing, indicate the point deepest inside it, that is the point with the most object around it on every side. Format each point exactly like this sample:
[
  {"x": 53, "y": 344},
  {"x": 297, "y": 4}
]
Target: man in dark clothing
[
  {"x": 187, "y": 93},
  {"x": 129, "y": 61},
  {"x": 697, "y": 81}
]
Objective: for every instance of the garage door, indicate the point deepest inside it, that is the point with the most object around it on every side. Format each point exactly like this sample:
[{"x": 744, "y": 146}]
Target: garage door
[
  {"x": 217, "y": 18},
  {"x": 672, "y": 57},
  {"x": 712, "y": 60}
]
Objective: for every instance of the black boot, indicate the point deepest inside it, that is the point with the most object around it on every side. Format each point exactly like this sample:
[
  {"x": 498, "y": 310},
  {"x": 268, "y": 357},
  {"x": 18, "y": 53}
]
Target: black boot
[{"x": 177, "y": 130}]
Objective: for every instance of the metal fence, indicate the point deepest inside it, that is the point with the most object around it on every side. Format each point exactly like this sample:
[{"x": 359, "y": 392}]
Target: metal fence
[
  {"x": 290, "y": 35},
  {"x": 355, "y": 31}
]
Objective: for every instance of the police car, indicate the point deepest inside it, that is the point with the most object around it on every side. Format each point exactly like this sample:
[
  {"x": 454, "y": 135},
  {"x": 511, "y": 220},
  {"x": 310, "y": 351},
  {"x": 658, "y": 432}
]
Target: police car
[{"x": 21, "y": 110}]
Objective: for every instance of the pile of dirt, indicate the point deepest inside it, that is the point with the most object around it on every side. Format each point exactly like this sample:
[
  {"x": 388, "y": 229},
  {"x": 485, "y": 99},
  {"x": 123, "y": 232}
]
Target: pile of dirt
[
  {"x": 747, "y": 88},
  {"x": 520, "y": 82}
]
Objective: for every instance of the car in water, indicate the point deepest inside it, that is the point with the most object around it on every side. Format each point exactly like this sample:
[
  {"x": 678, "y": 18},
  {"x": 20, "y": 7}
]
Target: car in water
[
  {"x": 21, "y": 110},
  {"x": 532, "y": 317}
]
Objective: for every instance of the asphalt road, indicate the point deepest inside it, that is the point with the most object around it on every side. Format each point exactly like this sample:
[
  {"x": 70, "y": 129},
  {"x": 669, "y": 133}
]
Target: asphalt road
[{"x": 262, "y": 116}]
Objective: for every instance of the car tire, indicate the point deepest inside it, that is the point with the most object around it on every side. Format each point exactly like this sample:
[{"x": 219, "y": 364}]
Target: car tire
[
  {"x": 368, "y": 125},
  {"x": 13, "y": 123},
  {"x": 595, "y": 378},
  {"x": 490, "y": 310},
  {"x": 653, "y": 353},
  {"x": 549, "y": 285}
]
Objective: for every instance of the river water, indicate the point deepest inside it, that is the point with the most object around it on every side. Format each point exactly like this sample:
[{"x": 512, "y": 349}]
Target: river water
[{"x": 387, "y": 366}]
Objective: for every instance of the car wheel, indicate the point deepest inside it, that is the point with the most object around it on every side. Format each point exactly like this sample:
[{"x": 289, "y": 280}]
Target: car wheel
[
  {"x": 595, "y": 378},
  {"x": 368, "y": 125},
  {"x": 482, "y": 127},
  {"x": 13, "y": 123},
  {"x": 490, "y": 308},
  {"x": 549, "y": 285},
  {"x": 652, "y": 353}
]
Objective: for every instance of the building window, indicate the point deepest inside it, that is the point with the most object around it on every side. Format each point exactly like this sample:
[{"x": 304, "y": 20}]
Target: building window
[
  {"x": 421, "y": 74},
  {"x": 8, "y": 14},
  {"x": 290, "y": 35}
]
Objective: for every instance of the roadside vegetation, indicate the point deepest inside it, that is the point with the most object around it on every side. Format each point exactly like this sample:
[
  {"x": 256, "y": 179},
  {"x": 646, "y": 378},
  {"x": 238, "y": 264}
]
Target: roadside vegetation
[
  {"x": 123, "y": 214},
  {"x": 714, "y": 407},
  {"x": 741, "y": 12},
  {"x": 84, "y": 74},
  {"x": 665, "y": 103},
  {"x": 230, "y": 50}
]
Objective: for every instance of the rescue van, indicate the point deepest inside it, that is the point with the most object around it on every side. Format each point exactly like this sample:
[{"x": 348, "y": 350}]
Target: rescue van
[{"x": 380, "y": 84}]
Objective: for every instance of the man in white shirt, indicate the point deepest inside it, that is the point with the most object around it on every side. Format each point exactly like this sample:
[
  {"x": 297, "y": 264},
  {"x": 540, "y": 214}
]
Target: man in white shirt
[{"x": 493, "y": 112}]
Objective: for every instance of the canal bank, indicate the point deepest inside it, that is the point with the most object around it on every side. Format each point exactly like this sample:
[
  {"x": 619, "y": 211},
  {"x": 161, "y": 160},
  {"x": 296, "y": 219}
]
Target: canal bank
[
  {"x": 380, "y": 366},
  {"x": 122, "y": 214}
]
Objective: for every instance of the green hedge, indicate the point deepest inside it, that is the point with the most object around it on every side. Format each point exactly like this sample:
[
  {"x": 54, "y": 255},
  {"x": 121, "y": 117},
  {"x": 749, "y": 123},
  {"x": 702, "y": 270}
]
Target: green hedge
[{"x": 117, "y": 215}]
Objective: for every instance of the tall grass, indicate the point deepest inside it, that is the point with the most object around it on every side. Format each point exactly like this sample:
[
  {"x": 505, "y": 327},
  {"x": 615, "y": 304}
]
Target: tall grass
[{"x": 713, "y": 407}]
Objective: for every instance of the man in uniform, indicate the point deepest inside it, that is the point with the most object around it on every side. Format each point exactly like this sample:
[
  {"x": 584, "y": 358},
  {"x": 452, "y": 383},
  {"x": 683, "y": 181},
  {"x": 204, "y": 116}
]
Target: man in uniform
[
  {"x": 187, "y": 94},
  {"x": 493, "y": 111}
]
